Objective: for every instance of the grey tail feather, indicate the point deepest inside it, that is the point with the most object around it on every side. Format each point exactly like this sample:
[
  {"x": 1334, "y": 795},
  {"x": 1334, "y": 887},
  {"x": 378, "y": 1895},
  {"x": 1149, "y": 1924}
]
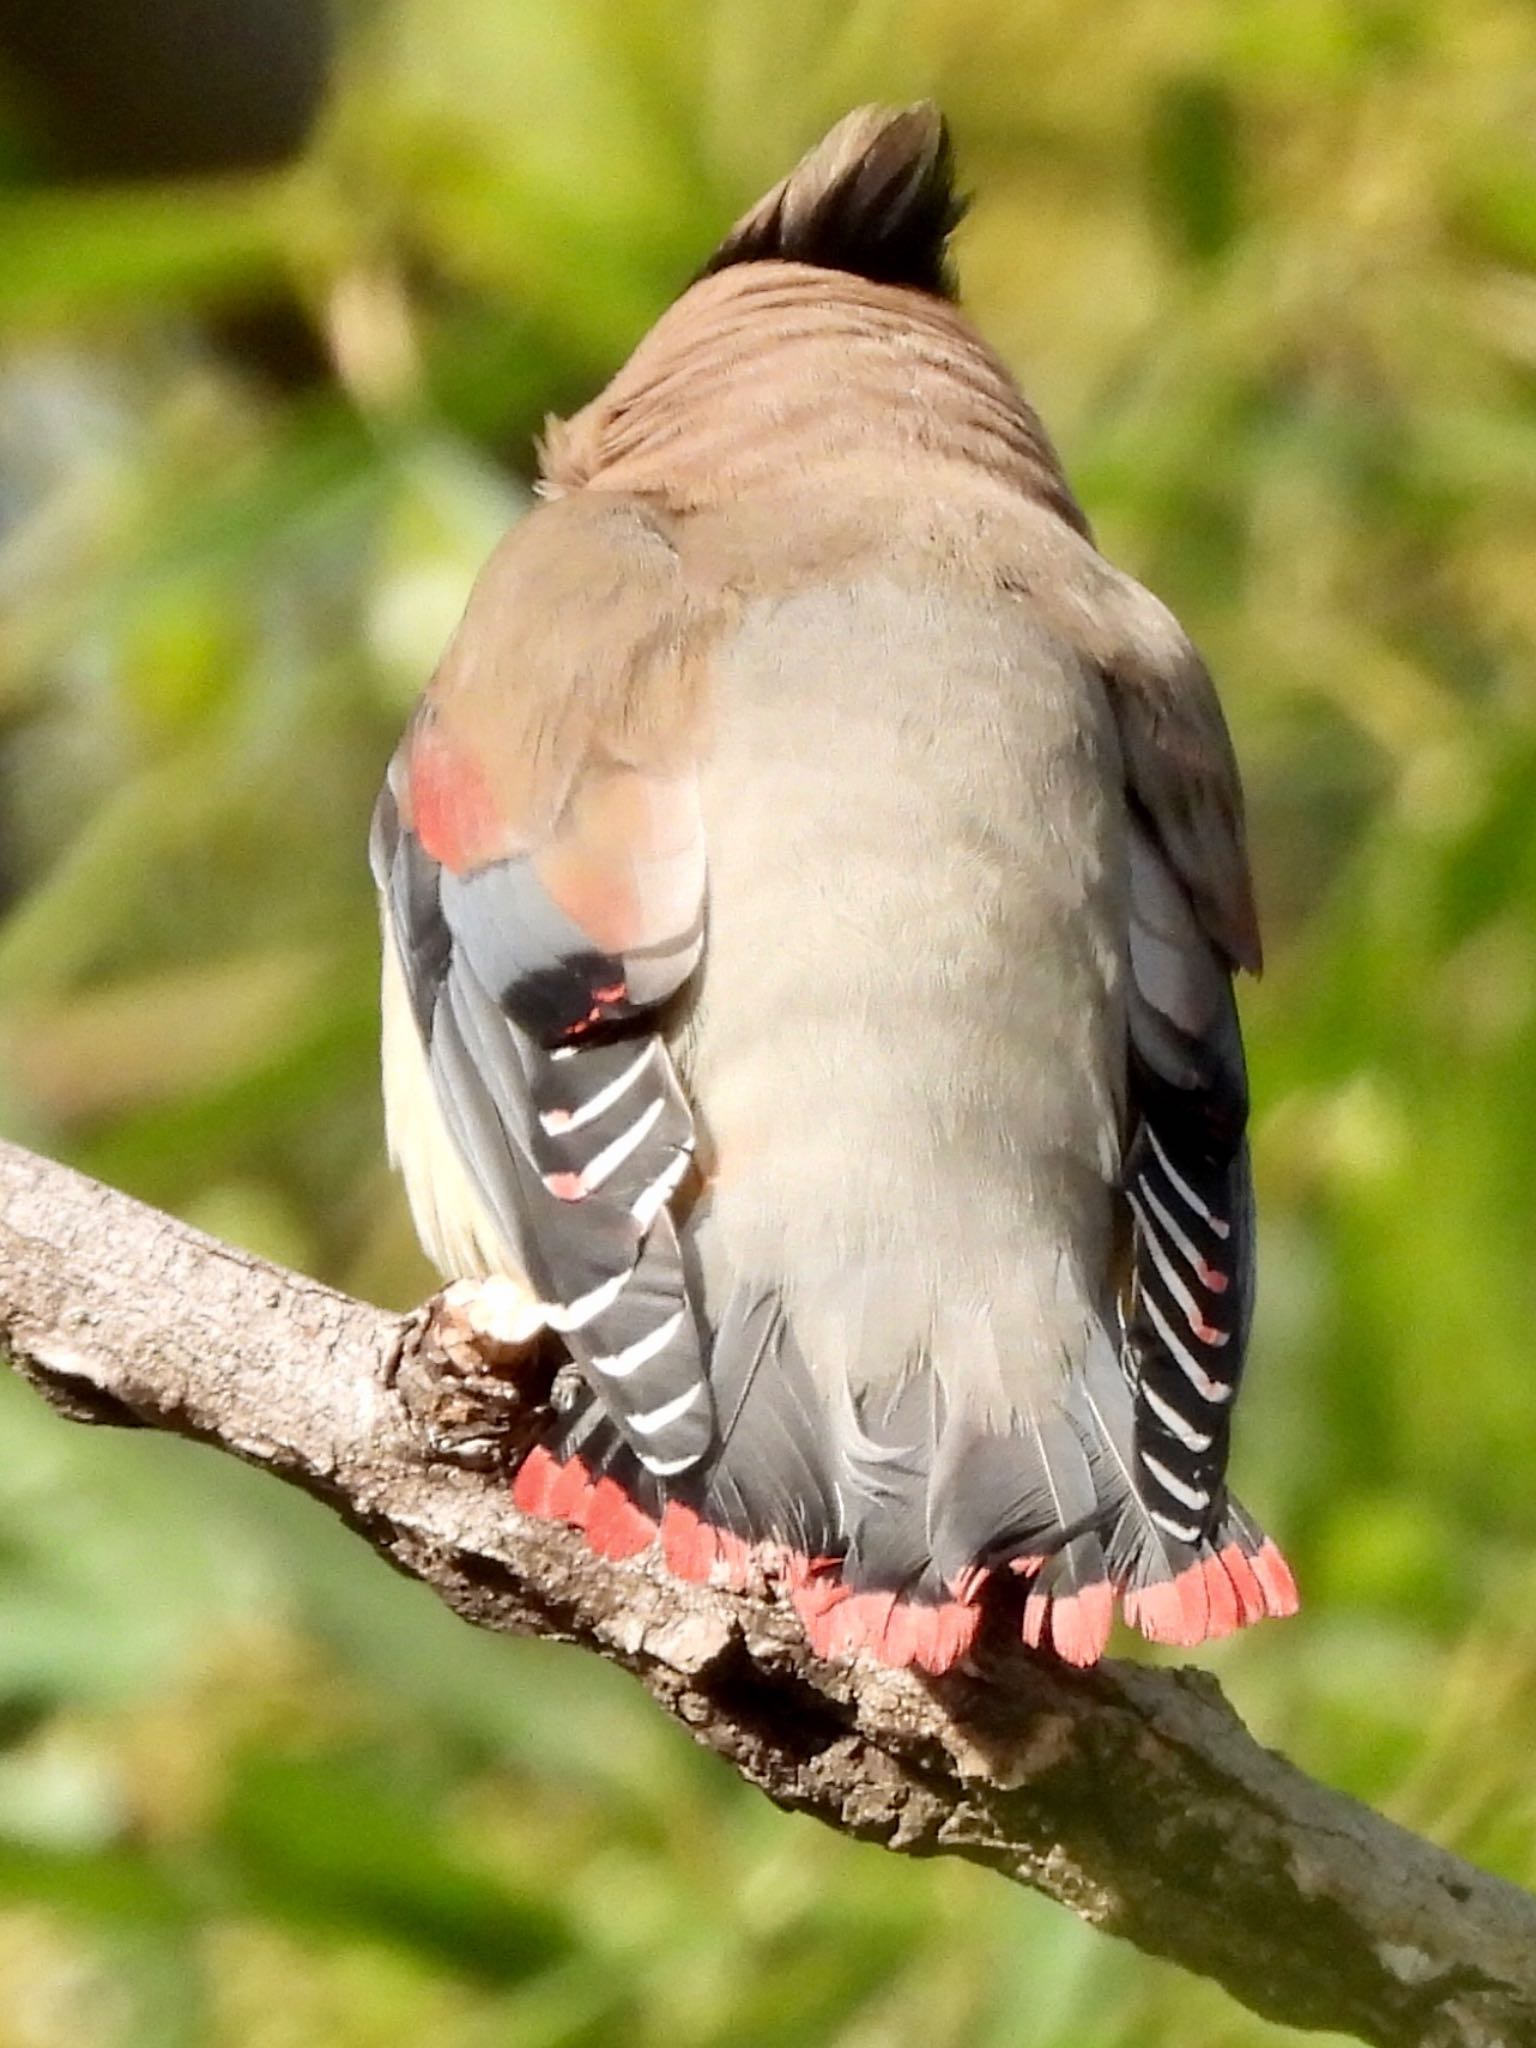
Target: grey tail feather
[
  {"x": 1138, "y": 1550},
  {"x": 767, "y": 1479},
  {"x": 909, "y": 1495},
  {"x": 876, "y": 197},
  {"x": 765, "y": 1476}
]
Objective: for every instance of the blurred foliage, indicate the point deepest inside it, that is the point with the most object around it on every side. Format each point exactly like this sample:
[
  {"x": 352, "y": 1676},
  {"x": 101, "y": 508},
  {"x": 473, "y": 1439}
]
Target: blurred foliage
[{"x": 1270, "y": 271}]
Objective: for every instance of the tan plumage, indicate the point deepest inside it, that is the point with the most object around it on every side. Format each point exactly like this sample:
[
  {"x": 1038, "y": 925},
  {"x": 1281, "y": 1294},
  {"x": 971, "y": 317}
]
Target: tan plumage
[{"x": 812, "y": 636}]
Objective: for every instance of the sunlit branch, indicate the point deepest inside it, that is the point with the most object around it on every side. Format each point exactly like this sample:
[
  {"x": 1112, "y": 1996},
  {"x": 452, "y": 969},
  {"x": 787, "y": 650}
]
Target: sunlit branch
[{"x": 1133, "y": 1796}]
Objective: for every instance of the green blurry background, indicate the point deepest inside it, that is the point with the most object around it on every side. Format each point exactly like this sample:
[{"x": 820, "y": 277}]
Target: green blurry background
[{"x": 1269, "y": 269}]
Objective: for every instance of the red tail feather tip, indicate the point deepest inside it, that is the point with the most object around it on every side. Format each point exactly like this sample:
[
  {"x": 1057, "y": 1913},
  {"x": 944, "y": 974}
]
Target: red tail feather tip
[
  {"x": 616, "y": 1528},
  {"x": 687, "y": 1545},
  {"x": 733, "y": 1562},
  {"x": 1250, "y": 1594},
  {"x": 895, "y": 1632},
  {"x": 1225, "y": 1609},
  {"x": 859, "y": 1623},
  {"x": 534, "y": 1484},
  {"x": 941, "y": 1636},
  {"x": 967, "y": 1586},
  {"x": 815, "y": 1594},
  {"x": 799, "y": 1570},
  {"x": 1080, "y": 1622},
  {"x": 1220, "y": 1593},
  {"x": 704, "y": 1555},
  {"x": 569, "y": 1495},
  {"x": 1027, "y": 1566},
  {"x": 1036, "y": 1608},
  {"x": 1176, "y": 1610},
  {"x": 1274, "y": 1575}
]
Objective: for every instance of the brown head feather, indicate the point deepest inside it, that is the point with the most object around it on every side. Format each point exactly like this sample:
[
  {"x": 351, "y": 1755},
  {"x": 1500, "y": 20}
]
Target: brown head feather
[{"x": 875, "y": 197}]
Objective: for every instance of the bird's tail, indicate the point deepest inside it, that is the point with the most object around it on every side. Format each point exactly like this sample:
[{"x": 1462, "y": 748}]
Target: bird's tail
[{"x": 895, "y": 1521}]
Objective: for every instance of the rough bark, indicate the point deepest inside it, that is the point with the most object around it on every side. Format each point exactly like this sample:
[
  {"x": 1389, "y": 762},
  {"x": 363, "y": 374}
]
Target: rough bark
[{"x": 1133, "y": 1796}]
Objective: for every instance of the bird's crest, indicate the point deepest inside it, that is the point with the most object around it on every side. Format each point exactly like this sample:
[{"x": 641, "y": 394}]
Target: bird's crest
[{"x": 876, "y": 197}]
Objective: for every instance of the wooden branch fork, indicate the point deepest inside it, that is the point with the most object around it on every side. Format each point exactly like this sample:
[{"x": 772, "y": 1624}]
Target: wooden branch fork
[{"x": 1133, "y": 1796}]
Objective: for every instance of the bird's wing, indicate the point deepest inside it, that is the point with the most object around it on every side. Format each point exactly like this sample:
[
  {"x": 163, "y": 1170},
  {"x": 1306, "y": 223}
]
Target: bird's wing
[
  {"x": 539, "y": 853},
  {"x": 1187, "y": 1174}
]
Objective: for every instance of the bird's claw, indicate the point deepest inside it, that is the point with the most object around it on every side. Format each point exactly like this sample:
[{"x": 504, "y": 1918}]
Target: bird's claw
[{"x": 473, "y": 1368}]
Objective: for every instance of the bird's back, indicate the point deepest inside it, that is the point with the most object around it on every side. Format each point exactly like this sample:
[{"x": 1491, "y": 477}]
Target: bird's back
[
  {"x": 906, "y": 1047},
  {"x": 805, "y": 797}
]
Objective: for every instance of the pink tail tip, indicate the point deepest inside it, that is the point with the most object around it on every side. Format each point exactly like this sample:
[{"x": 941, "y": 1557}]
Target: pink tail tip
[
  {"x": 932, "y": 1636},
  {"x": 1214, "y": 1596},
  {"x": 1176, "y": 1610},
  {"x": 1274, "y": 1576},
  {"x": 535, "y": 1482},
  {"x": 615, "y": 1527},
  {"x": 570, "y": 1494},
  {"x": 1218, "y": 1593},
  {"x": 696, "y": 1550},
  {"x": 687, "y": 1545},
  {"x": 1076, "y": 1625}
]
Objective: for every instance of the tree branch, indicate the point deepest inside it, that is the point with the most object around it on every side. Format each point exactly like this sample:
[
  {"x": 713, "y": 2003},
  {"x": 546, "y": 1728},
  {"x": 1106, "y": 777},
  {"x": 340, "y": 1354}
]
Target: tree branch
[{"x": 1133, "y": 1796}]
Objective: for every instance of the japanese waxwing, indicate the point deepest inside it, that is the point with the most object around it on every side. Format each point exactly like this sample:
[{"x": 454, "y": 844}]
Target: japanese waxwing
[{"x": 812, "y": 885}]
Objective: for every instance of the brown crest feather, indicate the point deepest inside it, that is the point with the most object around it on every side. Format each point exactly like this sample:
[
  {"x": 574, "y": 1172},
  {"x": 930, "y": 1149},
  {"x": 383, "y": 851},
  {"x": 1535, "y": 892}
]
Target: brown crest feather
[{"x": 875, "y": 197}]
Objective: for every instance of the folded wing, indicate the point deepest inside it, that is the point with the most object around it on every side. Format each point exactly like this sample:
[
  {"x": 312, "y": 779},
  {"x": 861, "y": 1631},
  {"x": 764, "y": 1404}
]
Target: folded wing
[{"x": 539, "y": 854}]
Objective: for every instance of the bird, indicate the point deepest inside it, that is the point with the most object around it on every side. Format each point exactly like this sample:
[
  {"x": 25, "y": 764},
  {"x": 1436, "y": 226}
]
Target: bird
[{"x": 812, "y": 887}]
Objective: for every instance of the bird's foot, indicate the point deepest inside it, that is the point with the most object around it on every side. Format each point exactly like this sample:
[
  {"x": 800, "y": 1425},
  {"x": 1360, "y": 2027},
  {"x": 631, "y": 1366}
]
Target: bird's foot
[{"x": 473, "y": 1367}]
